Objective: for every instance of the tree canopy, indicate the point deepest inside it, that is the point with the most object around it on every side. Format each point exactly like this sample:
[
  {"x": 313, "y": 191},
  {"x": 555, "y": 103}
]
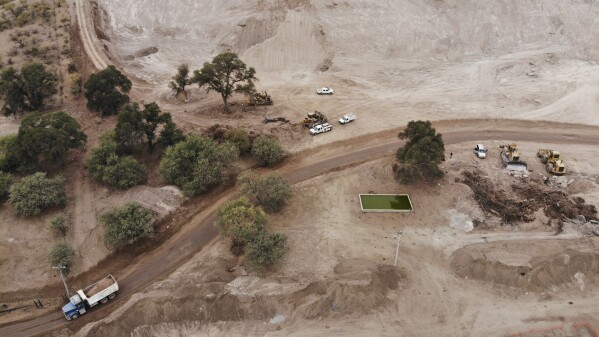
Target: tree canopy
[
  {"x": 5, "y": 183},
  {"x": 181, "y": 79},
  {"x": 420, "y": 157},
  {"x": 267, "y": 150},
  {"x": 226, "y": 75},
  {"x": 61, "y": 255},
  {"x": 197, "y": 164},
  {"x": 136, "y": 127},
  {"x": 270, "y": 191},
  {"x": 26, "y": 90},
  {"x": 107, "y": 164},
  {"x": 240, "y": 221},
  {"x": 106, "y": 91},
  {"x": 127, "y": 225},
  {"x": 36, "y": 193}
]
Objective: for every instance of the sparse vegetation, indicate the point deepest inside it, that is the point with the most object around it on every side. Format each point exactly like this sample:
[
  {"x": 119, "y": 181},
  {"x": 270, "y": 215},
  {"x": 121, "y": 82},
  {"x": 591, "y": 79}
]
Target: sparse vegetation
[
  {"x": 267, "y": 150},
  {"x": 36, "y": 193},
  {"x": 5, "y": 183},
  {"x": 61, "y": 255},
  {"x": 59, "y": 225},
  {"x": 270, "y": 191},
  {"x": 107, "y": 165},
  {"x": 26, "y": 90},
  {"x": 106, "y": 91},
  {"x": 75, "y": 88},
  {"x": 180, "y": 80},
  {"x": 197, "y": 164},
  {"x": 420, "y": 157},
  {"x": 226, "y": 75},
  {"x": 127, "y": 225}
]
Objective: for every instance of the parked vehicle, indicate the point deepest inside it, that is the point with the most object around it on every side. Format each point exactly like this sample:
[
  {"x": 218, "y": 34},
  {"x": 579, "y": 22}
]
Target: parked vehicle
[
  {"x": 511, "y": 158},
  {"x": 347, "y": 118},
  {"x": 324, "y": 91},
  {"x": 553, "y": 161},
  {"x": 480, "y": 151},
  {"x": 99, "y": 292},
  {"x": 320, "y": 128}
]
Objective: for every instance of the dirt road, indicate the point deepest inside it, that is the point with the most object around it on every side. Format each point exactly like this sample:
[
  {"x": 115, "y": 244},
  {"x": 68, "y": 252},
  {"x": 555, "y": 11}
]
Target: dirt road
[{"x": 199, "y": 231}]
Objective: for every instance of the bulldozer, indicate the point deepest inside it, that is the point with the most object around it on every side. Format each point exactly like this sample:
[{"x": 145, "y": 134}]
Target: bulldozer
[
  {"x": 314, "y": 118},
  {"x": 260, "y": 98},
  {"x": 511, "y": 158},
  {"x": 554, "y": 164}
]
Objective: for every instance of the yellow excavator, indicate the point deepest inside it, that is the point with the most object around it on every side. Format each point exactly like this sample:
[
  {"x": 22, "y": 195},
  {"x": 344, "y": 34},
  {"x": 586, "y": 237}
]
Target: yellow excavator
[
  {"x": 554, "y": 163},
  {"x": 260, "y": 98},
  {"x": 314, "y": 118},
  {"x": 511, "y": 158}
]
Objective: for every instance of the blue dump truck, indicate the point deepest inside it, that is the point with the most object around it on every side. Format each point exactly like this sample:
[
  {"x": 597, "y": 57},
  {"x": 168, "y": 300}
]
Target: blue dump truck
[{"x": 99, "y": 292}]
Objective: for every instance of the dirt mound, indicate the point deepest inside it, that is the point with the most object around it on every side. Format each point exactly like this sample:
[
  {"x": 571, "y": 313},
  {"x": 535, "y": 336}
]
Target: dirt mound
[
  {"x": 540, "y": 272},
  {"x": 105, "y": 283},
  {"x": 531, "y": 197}
]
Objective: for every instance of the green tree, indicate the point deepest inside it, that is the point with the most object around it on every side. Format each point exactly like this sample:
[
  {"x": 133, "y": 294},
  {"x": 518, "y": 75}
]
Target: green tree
[
  {"x": 48, "y": 138},
  {"x": 106, "y": 165},
  {"x": 197, "y": 164},
  {"x": 36, "y": 193},
  {"x": 265, "y": 250},
  {"x": 59, "y": 225},
  {"x": 5, "y": 182},
  {"x": 420, "y": 157},
  {"x": 27, "y": 90},
  {"x": 106, "y": 91},
  {"x": 181, "y": 79},
  {"x": 127, "y": 225},
  {"x": 136, "y": 127},
  {"x": 267, "y": 150},
  {"x": 10, "y": 153},
  {"x": 270, "y": 191},
  {"x": 170, "y": 135},
  {"x": 226, "y": 75},
  {"x": 61, "y": 255},
  {"x": 241, "y": 139},
  {"x": 240, "y": 221}
]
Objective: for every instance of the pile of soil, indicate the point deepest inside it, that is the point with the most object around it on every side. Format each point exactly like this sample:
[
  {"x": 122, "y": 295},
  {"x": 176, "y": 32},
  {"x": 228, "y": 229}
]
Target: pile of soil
[
  {"x": 557, "y": 204},
  {"x": 105, "y": 283}
]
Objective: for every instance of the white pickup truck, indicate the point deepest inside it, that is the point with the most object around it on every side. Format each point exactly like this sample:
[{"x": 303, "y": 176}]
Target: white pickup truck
[
  {"x": 347, "y": 118},
  {"x": 320, "y": 128},
  {"x": 324, "y": 91}
]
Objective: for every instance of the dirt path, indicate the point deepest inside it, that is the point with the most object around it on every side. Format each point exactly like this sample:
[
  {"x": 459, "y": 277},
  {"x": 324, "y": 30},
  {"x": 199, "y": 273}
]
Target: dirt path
[{"x": 199, "y": 231}]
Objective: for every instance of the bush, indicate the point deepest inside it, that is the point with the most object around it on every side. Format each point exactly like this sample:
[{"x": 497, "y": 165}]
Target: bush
[
  {"x": 105, "y": 165},
  {"x": 59, "y": 225},
  {"x": 5, "y": 182},
  {"x": 270, "y": 191},
  {"x": 265, "y": 250},
  {"x": 240, "y": 221},
  {"x": 267, "y": 150},
  {"x": 241, "y": 139},
  {"x": 127, "y": 225},
  {"x": 36, "y": 193},
  {"x": 197, "y": 164},
  {"x": 61, "y": 255}
]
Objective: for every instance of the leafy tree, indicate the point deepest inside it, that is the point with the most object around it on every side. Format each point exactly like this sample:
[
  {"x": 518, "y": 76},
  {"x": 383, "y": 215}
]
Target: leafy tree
[
  {"x": 5, "y": 182},
  {"x": 266, "y": 249},
  {"x": 197, "y": 164},
  {"x": 135, "y": 127},
  {"x": 267, "y": 150},
  {"x": 226, "y": 74},
  {"x": 420, "y": 157},
  {"x": 59, "y": 225},
  {"x": 107, "y": 166},
  {"x": 36, "y": 193},
  {"x": 106, "y": 91},
  {"x": 181, "y": 79},
  {"x": 271, "y": 191},
  {"x": 61, "y": 255},
  {"x": 48, "y": 138},
  {"x": 240, "y": 221},
  {"x": 10, "y": 153},
  {"x": 127, "y": 225},
  {"x": 27, "y": 90},
  {"x": 241, "y": 139},
  {"x": 170, "y": 135}
]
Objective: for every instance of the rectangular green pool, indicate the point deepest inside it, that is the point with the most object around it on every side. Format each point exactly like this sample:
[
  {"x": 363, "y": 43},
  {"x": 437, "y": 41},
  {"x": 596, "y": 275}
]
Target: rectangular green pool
[{"x": 385, "y": 203}]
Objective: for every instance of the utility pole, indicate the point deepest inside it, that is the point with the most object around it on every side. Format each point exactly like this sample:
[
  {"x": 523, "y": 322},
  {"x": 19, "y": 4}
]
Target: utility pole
[
  {"x": 398, "y": 233},
  {"x": 64, "y": 280}
]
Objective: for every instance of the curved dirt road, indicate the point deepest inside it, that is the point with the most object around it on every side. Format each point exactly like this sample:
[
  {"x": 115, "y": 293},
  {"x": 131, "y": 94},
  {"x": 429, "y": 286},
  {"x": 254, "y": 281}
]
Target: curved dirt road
[{"x": 196, "y": 234}]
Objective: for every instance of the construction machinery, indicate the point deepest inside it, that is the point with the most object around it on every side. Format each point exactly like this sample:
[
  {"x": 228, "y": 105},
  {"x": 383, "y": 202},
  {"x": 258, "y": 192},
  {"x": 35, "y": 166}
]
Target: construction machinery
[
  {"x": 260, "y": 98},
  {"x": 552, "y": 160},
  {"x": 314, "y": 118},
  {"x": 511, "y": 158}
]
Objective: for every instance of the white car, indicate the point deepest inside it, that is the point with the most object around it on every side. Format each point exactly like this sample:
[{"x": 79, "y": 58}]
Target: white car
[
  {"x": 347, "y": 118},
  {"x": 320, "y": 129},
  {"x": 480, "y": 151},
  {"x": 324, "y": 91}
]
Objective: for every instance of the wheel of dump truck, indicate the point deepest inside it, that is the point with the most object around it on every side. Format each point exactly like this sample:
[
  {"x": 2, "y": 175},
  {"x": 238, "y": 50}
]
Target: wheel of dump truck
[
  {"x": 75, "y": 316},
  {"x": 111, "y": 296},
  {"x": 104, "y": 300}
]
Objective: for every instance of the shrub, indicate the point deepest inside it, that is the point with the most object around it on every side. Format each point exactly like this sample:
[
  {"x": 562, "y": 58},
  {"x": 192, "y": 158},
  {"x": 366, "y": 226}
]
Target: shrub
[
  {"x": 267, "y": 150},
  {"x": 105, "y": 165},
  {"x": 197, "y": 164},
  {"x": 36, "y": 193},
  {"x": 59, "y": 225},
  {"x": 265, "y": 250},
  {"x": 61, "y": 255},
  {"x": 270, "y": 191},
  {"x": 5, "y": 182},
  {"x": 127, "y": 225},
  {"x": 240, "y": 221},
  {"x": 241, "y": 139}
]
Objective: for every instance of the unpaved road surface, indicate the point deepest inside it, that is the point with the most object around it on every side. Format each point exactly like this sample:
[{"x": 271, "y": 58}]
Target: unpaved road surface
[{"x": 200, "y": 231}]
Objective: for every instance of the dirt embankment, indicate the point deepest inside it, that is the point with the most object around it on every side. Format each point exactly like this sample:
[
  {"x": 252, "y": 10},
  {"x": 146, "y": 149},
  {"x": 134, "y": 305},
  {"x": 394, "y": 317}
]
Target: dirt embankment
[{"x": 357, "y": 286}]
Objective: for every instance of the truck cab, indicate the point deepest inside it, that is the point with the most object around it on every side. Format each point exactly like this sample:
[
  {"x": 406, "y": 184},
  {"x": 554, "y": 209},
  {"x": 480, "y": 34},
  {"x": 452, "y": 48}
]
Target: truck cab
[{"x": 75, "y": 308}]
